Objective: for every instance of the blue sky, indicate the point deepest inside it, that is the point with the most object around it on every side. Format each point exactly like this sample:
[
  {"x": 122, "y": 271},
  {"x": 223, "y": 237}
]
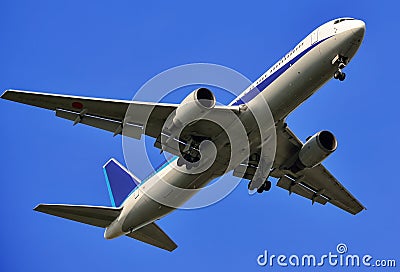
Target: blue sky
[{"x": 105, "y": 49}]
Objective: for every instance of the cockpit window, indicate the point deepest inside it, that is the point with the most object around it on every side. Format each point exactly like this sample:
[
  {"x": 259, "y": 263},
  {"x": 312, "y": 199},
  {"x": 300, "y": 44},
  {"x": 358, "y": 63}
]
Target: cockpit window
[{"x": 343, "y": 19}]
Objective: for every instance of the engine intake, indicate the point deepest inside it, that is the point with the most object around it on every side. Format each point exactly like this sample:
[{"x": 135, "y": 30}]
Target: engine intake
[
  {"x": 315, "y": 150},
  {"x": 205, "y": 97}
]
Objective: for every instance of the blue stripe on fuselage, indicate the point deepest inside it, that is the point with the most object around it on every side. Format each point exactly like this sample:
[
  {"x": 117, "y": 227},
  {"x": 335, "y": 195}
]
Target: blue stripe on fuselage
[{"x": 266, "y": 82}]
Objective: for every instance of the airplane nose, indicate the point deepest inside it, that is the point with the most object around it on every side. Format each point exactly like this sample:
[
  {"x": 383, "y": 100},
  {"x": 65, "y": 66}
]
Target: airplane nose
[{"x": 359, "y": 29}]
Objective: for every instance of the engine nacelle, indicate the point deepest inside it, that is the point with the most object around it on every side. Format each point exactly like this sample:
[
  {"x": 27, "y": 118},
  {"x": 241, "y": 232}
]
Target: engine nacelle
[
  {"x": 316, "y": 149},
  {"x": 194, "y": 106}
]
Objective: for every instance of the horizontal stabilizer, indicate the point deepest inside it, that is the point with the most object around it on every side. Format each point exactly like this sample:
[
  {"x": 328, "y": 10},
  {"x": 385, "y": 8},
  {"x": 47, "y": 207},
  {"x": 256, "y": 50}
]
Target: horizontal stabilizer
[
  {"x": 153, "y": 235},
  {"x": 120, "y": 182},
  {"x": 91, "y": 215}
]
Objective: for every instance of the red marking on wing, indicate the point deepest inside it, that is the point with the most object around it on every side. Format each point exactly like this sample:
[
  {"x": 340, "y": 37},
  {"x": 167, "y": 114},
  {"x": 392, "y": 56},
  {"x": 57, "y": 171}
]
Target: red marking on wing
[{"x": 77, "y": 105}]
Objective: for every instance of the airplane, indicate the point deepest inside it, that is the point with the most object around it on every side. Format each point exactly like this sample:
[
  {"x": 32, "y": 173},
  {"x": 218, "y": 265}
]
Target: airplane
[{"x": 319, "y": 57}]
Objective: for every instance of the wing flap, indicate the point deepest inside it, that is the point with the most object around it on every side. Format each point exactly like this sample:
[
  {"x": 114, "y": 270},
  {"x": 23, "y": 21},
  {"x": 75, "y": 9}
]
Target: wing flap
[
  {"x": 92, "y": 215},
  {"x": 301, "y": 189},
  {"x": 152, "y": 234},
  {"x": 338, "y": 195},
  {"x": 322, "y": 189},
  {"x": 93, "y": 121}
]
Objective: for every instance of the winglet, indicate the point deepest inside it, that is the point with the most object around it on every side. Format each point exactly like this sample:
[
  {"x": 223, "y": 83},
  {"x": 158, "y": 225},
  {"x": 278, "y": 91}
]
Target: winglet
[{"x": 120, "y": 182}]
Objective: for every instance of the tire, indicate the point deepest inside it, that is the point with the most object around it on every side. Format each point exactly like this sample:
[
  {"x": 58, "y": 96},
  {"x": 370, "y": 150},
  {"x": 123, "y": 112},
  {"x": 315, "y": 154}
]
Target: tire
[
  {"x": 267, "y": 186},
  {"x": 342, "y": 77},
  {"x": 336, "y": 75},
  {"x": 179, "y": 162}
]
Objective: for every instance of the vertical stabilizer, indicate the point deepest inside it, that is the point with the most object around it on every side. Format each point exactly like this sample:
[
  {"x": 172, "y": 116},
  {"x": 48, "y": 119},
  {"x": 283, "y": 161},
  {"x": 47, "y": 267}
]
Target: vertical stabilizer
[{"x": 120, "y": 182}]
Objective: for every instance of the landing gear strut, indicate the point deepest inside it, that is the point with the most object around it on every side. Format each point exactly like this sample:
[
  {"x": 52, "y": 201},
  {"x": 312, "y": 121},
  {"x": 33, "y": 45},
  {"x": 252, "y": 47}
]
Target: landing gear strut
[
  {"x": 339, "y": 74},
  {"x": 191, "y": 153}
]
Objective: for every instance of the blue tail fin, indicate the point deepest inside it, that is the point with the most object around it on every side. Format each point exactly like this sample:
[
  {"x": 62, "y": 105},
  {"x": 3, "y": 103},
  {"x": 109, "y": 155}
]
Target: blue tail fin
[{"x": 120, "y": 182}]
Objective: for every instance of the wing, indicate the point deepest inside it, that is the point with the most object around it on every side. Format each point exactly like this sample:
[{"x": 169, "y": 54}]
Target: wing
[
  {"x": 144, "y": 117},
  {"x": 316, "y": 184},
  {"x": 106, "y": 114}
]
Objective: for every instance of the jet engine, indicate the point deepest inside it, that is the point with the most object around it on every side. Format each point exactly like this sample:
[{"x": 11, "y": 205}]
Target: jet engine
[
  {"x": 194, "y": 106},
  {"x": 316, "y": 149}
]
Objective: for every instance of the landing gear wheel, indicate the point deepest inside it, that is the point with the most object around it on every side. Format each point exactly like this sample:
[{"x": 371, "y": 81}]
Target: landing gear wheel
[
  {"x": 267, "y": 186},
  {"x": 336, "y": 75},
  {"x": 339, "y": 75},
  {"x": 180, "y": 162},
  {"x": 342, "y": 61}
]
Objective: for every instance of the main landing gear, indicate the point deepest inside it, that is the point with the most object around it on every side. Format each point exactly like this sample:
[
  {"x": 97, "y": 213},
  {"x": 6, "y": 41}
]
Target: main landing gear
[
  {"x": 265, "y": 187},
  {"x": 189, "y": 161},
  {"x": 339, "y": 74},
  {"x": 191, "y": 153}
]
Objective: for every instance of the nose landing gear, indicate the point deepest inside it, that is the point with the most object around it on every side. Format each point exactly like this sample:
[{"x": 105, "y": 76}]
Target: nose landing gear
[{"x": 339, "y": 74}]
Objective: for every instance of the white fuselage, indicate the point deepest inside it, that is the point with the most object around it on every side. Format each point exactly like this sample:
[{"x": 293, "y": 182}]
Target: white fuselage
[{"x": 286, "y": 85}]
